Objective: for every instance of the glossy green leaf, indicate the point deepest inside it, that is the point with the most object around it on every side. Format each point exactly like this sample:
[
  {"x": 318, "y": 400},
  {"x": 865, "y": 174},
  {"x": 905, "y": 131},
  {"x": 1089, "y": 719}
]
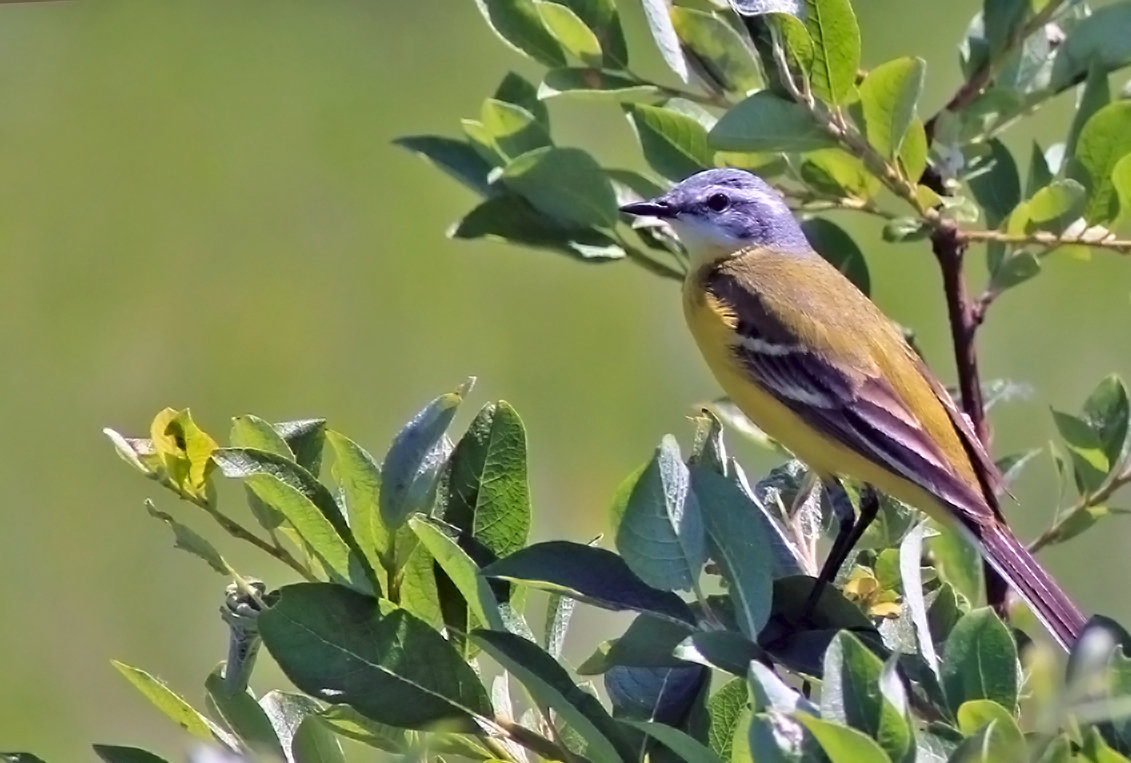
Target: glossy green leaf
[
  {"x": 888, "y": 96},
  {"x": 997, "y": 185},
  {"x": 575, "y": 37},
  {"x": 595, "y": 84},
  {"x": 997, "y": 737},
  {"x": 1094, "y": 95},
  {"x": 1052, "y": 208},
  {"x": 516, "y": 89},
  {"x": 511, "y": 218},
  {"x": 513, "y": 129},
  {"x": 344, "y": 647},
  {"x": 769, "y": 692},
  {"x": 1090, "y": 462},
  {"x": 306, "y": 438},
  {"x": 588, "y": 574},
  {"x": 834, "y": 244},
  {"x": 648, "y": 642},
  {"x": 682, "y": 744},
  {"x": 518, "y": 24},
  {"x": 724, "y": 709},
  {"x": 602, "y": 18},
  {"x": 658, "y": 15},
  {"x": 565, "y": 183},
  {"x": 409, "y": 471},
  {"x": 674, "y": 145},
  {"x": 454, "y": 157},
  {"x": 975, "y": 715},
  {"x": 253, "y": 432},
  {"x": 660, "y": 534},
  {"x": 739, "y": 545},
  {"x": 1099, "y": 38},
  {"x": 488, "y": 491},
  {"x": 839, "y": 173},
  {"x": 549, "y": 685},
  {"x": 980, "y": 661},
  {"x": 1121, "y": 180},
  {"x": 1107, "y": 411},
  {"x": 460, "y": 569},
  {"x": 315, "y": 743},
  {"x": 795, "y": 39},
  {"x": 174, "y": 707},
  {"x": 1104, "y": 140},
  {"x": 765, "y": 122},
  {"x": 1014, "y": 270},
  {"x": 415, "y": 580},
  {"x": 913, "y": 151},
  {"x": 344, "y": 721},
  {"x": 239, "y": 711},
  {"x": 836, "y": 49},
  {"x": 842, "y": 744},
  {"x": 306, "y": 504},
  {"x": 719, "y": 48},
  {"x": 359, "y": 480},
  {"x": 851, "y": 695},
  {"x": 727, "y": 651}
]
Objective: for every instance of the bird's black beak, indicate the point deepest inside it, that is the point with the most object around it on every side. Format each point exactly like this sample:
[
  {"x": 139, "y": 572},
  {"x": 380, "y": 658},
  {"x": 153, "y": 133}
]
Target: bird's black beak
[{"x": 649, "y": 209}]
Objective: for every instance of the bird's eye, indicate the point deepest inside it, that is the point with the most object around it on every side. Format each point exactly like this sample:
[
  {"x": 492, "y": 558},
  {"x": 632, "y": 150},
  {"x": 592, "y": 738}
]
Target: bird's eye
[{"x": 717, "y": 202}]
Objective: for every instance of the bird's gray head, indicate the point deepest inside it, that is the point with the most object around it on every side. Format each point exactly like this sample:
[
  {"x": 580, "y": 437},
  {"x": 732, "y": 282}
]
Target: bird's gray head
[{"x": 718, "y": 212}]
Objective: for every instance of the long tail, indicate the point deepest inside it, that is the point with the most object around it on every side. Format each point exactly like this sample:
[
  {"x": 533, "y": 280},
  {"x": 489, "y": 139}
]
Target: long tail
[{"x": 1049, "y": 603}]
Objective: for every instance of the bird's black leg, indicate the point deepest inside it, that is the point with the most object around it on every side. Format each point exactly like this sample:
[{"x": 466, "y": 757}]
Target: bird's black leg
[{"x": 849, "y": 531}]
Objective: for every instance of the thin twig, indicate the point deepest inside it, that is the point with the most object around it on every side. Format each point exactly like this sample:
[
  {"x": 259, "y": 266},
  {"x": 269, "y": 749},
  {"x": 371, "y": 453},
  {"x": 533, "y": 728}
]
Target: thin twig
[
  {"x": 983, "y": 77},
  {"x": 1084, "y": 503},
  {"x": 1044, "y": 238},
  {"x": 236, "y": 530}
]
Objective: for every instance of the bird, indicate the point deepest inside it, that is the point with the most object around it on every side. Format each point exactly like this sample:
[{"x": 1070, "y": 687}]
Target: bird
[{"x": 812, "y": 361}]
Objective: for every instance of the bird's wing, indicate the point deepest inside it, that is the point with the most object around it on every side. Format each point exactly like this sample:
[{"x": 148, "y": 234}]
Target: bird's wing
[{"x": 857, "y": 407}]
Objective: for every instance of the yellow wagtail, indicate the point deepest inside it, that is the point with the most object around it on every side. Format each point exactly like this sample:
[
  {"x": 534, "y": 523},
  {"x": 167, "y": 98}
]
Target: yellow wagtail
[{"x": 813, "y": 362}]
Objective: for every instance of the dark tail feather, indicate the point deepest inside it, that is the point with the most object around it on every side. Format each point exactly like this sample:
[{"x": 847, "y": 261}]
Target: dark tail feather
[{"x": 1049, "y": 603}]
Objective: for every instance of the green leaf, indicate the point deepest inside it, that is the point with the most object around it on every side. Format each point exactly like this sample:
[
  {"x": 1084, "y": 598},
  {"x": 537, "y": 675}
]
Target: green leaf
[
  {"x": 460, "y": 568},
  {"x": 1002, "y": 20},
  {"x": 253, "y": 432},
  {"x": 1014, "y": 270},
  {"x": 174, "y": 708},
  {"x": 601, "y": 17},
  {"x": 488, "y": 491},
  {"x": 913, "y": 151},
  {"x": 1100, "y": 38},
  {"x": 980, "y": 661},
  {"x": 571, "y": 32},
  {"x": 837, "y": 172},
  {"x": 888, "y": 96},
  {"x": 834, "y": 244},
  {"x": 674, "y": 145},
  {"x": 1039, "y": 173},
  {"x": 905, "y": 229},
  {"x": 851, "y": 695},
  {"x": 724, "y": 708},
  {"x": 517, "y": 90},
  {"x": 565, "y": 183},
  {"x": 739, "y": 545},
  {"x": 344, "y": 721},
  {"x": 660, "y": 534},
  {"x": 344, "y": 647},
  {"x": 588, "y": 574},
  {"x": 841, "y": 743},
  {"x": 511, "y": 218},
  {"x": 798, "y": 44},
  {"x": 1107, "y": 412},
  {"x": 549, "y": 685},
  {"x": 287, "y": 713},
  {"x": 1121, "y": 179},
  {"x": 359, "y": 479},
  {"x": 455, "y": 157},
  {"x": 314, "y": 743},
  {"x": 723, "y": 650},
  {"x": 595, "y": 84},
  {"x": 658, "y": 15},
  {"x": 415, "y": 580},
  {"x": 307, "y": 505},
  {"x": 648, "y": 642},
  {"x": 107, "y": 753},
  {"x": 1104, "y": 140},
  {"x": 1096, "y": 750},
  {"x": 512, "y": 129},
  {"x": 1089, "y": 461},
  {"x": 518, "y": 24},
  {"x": 957, "y": 562},
  {"x": 239, "y": 711},
  {"x": 410, "y": 468},
  {"x": 769, "y": 692},
  {"x": 186, "y": 539},
  {"x": 685, "y": 746},
  {"x": 836, "y": 49},
  {"x": 993, "y": 734},
  {"x": 1094, "y": 96},
  {"x": 997, "y": 185},
  {"x": 305, "y": 438},
  {"x": 719, "y": 48},
  {"x": 765, "y": 122},
  {"x": 1052, "y": 208}
]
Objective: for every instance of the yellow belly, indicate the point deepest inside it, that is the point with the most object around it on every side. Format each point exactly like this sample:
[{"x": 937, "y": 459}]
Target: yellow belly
[{"x": 714, "y": 334}]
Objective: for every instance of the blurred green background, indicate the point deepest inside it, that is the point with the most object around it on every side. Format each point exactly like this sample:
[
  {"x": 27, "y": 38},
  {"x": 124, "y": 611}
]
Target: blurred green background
[{"x": 200, "y": 205}]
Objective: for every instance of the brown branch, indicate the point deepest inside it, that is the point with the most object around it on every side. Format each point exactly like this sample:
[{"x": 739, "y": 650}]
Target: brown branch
[{"x": 950, "y": 248}]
